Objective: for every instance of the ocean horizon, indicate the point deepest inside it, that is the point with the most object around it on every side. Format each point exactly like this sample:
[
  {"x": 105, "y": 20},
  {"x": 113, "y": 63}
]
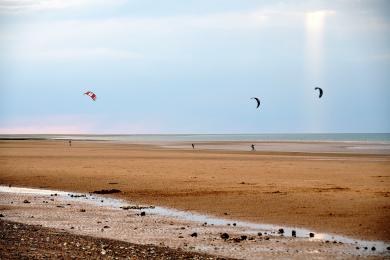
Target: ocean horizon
[{"x": 325, "y": 137}]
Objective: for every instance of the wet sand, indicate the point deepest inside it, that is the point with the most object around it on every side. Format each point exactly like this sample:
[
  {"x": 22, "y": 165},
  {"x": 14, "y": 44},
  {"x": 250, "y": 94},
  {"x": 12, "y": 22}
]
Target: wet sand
[
  {"x": 343, "y": 193},
  {"x": 103, "y": 218}
]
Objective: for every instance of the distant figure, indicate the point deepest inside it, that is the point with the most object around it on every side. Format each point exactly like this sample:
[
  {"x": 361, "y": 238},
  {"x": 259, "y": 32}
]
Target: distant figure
[
  {"x": 253, "y": 147},
  {"x": 70, "y": 142},
  {"x": 193, "y": 146}
]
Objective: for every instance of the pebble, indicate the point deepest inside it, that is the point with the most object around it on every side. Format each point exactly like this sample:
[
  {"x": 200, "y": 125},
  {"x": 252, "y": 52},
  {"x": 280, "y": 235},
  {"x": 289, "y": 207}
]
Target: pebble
[
  {"x": 26, "y": 201},
  {"x": 143, "y": 213},
  {"x": 225, "y": 236},
  {"x": 194, "y": 234},
  {"x": 281, "y": 231},
  {"x": 294, "y": 233},
  {"x": 311, "y": 234}
]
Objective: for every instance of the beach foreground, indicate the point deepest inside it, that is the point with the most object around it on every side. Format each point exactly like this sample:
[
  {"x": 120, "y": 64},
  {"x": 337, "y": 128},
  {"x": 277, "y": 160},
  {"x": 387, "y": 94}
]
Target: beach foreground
[
  {"x": 107, "y": 218},
  {"x": 340, "y": 193},
  {"x": 20, "y": 241}
]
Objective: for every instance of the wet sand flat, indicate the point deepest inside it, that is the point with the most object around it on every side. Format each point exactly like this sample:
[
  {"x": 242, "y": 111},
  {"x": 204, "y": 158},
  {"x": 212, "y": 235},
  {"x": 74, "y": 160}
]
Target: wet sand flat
[
  {"x": 152, "y": 232},
  {"x": 340, "y": 193}
]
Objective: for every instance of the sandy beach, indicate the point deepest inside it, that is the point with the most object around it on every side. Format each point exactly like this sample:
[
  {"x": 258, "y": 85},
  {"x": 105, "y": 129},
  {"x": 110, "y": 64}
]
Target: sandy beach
[
  {"x": 343, "y": 193},
  {"x": 336, "y": 192}
]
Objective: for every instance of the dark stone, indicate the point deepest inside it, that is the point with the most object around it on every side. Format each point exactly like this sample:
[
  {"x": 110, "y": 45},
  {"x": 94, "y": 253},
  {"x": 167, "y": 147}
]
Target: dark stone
[
  {"x": 1, "y": 216},
  {"x": 259, "y": 234},
  {"x": 26, "y": 201},
  {"x": 106, "y": 227},
  {"x": 225, "y": 236},
  {"x": 373, "y": 248},
  {"x": 106, "y": 191},
  {"x": 237, "y": 240},
  {"x": 388, "y": 248},
  {"x": 143, "y": 213},
  {"x": 294, "y": 233},
  {"x": 365, "y": 248},
  {"x": 234, "y": 224},
  {"x": 194, "y": 234},
  {"x": 82, "y": 210},
  {"x": 357, "y": 248},
  {"x": 267, "y": 238},
  {"x": 244, "y": 237},
  {"x": 311, "y": 234},
  {"x": 281, "y": 231}
]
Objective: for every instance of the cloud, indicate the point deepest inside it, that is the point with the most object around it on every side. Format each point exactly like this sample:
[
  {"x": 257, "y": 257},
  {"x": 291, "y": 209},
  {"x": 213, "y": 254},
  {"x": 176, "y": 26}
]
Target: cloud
[
  {"x": 47, "y": 125},
  {"x": 89, "y": 54},
  {"x": 122, "y": 38},
  {"x": 77, "y": 124},
  {"x": 23, "y": 6}
]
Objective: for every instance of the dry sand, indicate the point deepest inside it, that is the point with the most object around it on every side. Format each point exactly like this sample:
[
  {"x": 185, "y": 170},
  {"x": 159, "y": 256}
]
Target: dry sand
[{"x": 340, "y": 193}]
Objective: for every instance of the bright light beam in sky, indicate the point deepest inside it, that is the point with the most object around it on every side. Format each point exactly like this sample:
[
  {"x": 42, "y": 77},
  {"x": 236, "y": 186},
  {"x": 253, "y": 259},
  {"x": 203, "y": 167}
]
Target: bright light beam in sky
[{"x": 315, "y": 22}]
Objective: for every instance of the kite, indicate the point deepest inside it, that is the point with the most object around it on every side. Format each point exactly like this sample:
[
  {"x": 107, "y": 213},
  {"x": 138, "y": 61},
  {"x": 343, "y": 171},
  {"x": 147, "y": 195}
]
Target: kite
[
  {"x": 321, "y": 91},
  {"x": 257, "y": 100},
  {"x": 91, "y": 95}
]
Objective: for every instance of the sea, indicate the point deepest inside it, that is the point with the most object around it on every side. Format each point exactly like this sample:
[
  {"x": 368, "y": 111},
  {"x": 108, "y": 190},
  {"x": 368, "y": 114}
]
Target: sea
[{"x": 321, "y": 137}]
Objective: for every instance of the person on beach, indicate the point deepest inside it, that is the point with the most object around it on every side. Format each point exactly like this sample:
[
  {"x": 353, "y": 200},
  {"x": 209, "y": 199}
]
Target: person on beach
[
  {"x": 253, "y": 147},
  {"x": 70, "y": 142},
  {"x": 193, "y": 146}
]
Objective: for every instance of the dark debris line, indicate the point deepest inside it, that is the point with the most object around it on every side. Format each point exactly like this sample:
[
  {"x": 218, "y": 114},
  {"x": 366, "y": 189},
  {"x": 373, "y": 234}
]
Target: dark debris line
[{"x": 20, "y": 241}]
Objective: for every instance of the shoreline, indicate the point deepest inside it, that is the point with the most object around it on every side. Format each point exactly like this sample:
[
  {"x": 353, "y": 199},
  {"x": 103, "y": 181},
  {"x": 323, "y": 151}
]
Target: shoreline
[
  {"x": 347, "y": 148},
  {"x": 81, "y": 214}
]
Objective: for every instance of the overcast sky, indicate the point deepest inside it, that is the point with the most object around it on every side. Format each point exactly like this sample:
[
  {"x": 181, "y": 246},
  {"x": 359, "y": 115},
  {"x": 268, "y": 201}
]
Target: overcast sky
[{"x": 177, "y": 66}]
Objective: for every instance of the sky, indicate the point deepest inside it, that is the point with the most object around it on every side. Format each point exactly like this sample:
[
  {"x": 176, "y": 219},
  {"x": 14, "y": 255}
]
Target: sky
[{"x": 173, "y": 66}]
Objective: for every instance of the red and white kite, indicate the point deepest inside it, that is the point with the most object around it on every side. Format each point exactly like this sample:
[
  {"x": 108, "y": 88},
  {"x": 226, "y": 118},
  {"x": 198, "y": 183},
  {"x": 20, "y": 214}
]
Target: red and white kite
[{"x": 91, "y": 94}]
